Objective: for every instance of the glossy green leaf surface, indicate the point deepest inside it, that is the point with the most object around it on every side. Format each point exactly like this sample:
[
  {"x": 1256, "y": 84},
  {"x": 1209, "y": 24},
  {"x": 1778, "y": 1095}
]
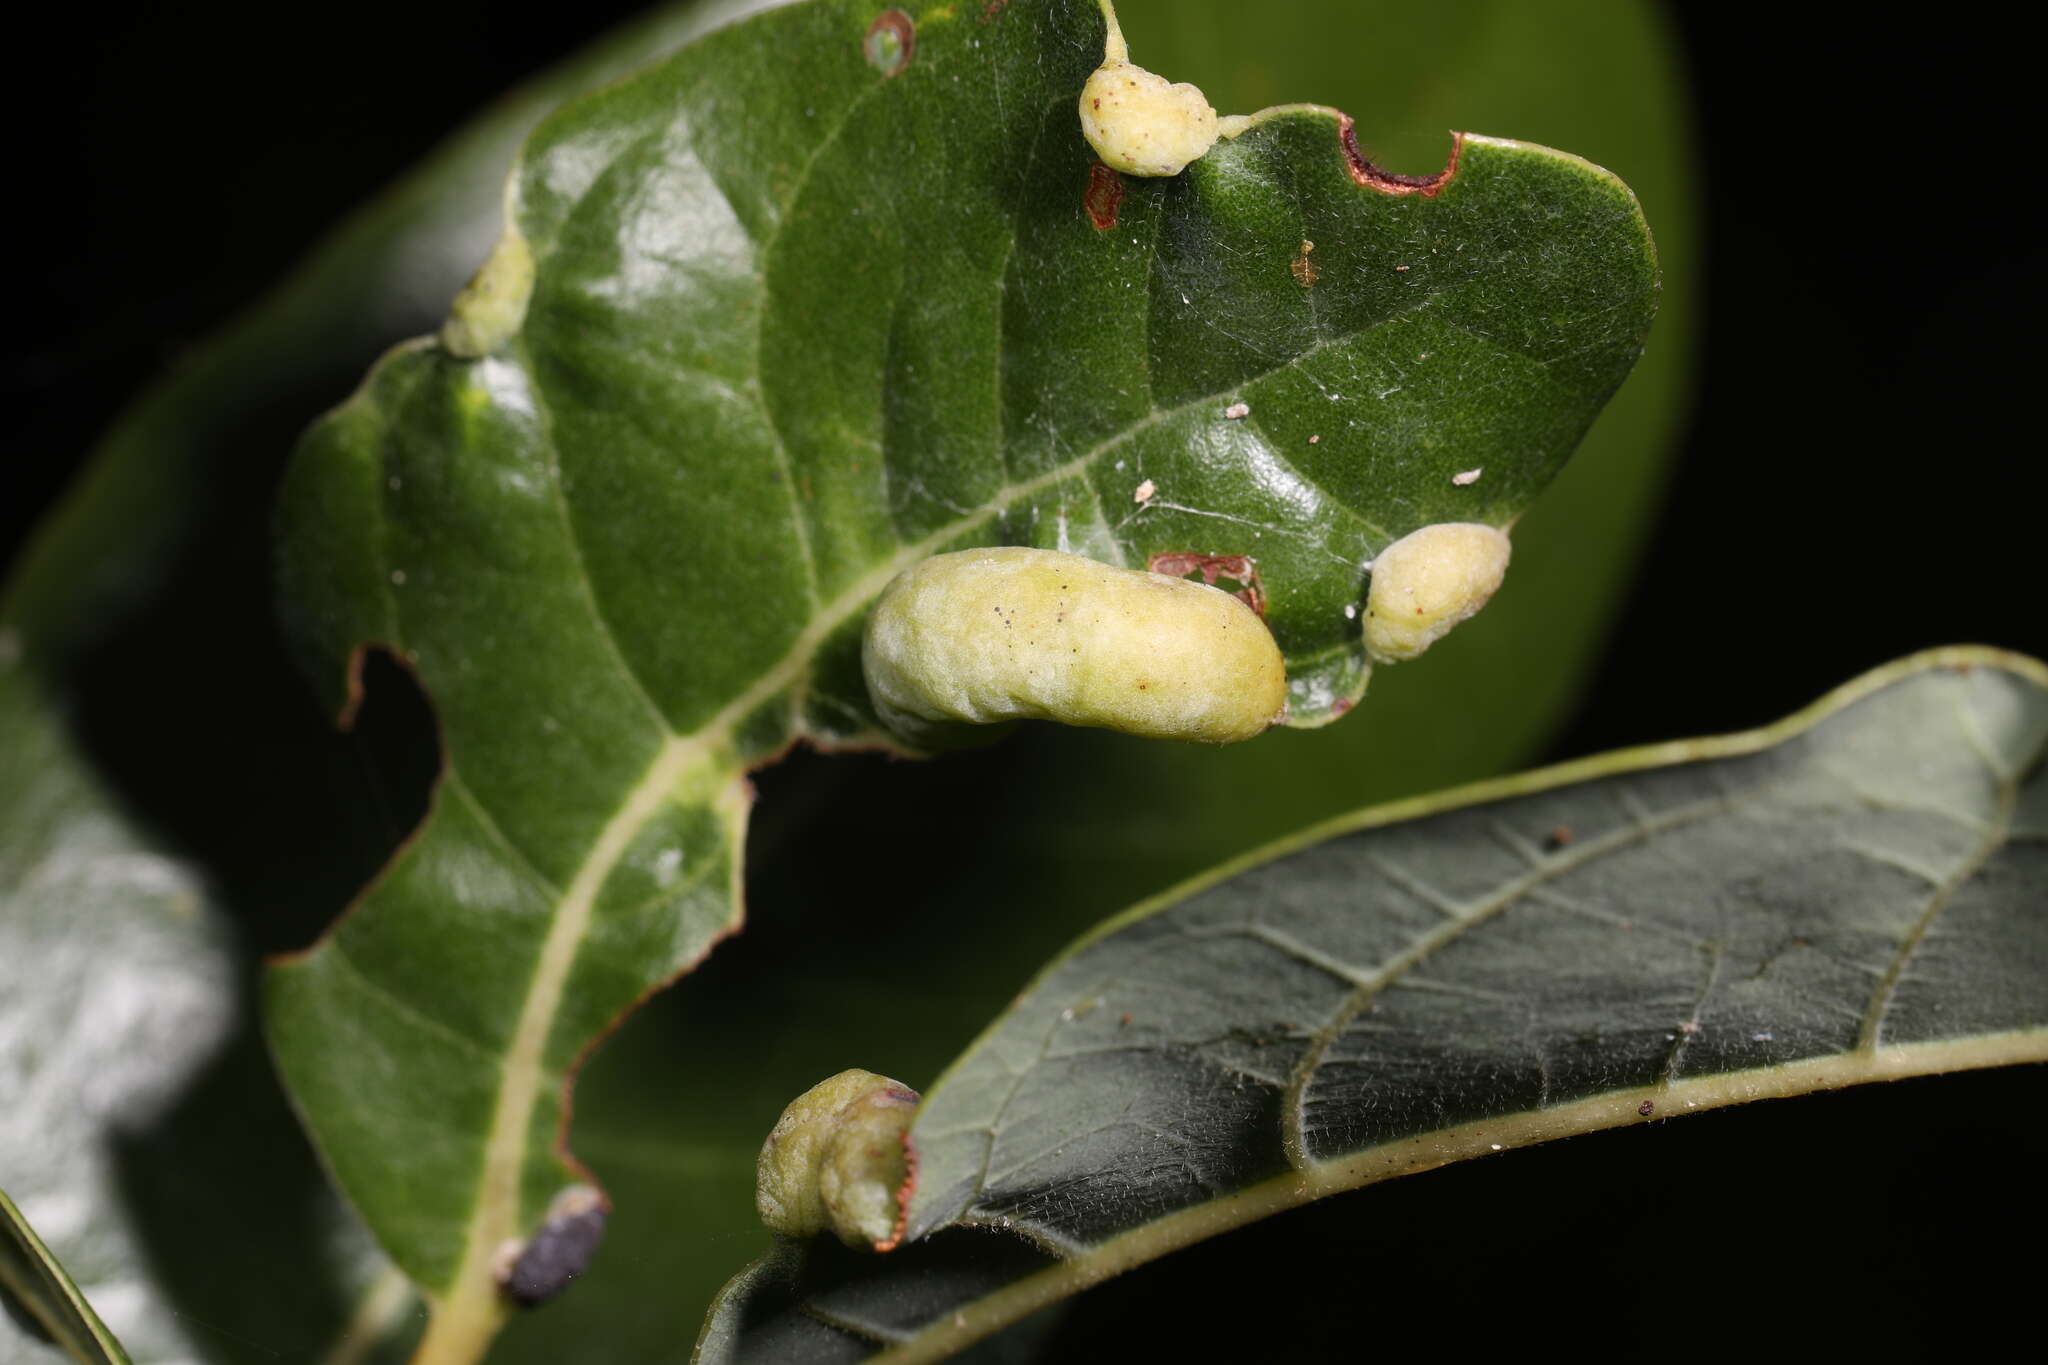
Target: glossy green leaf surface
[
  {"x": 769, "y": 360},
  {"x": 1850, "y": 896},
  {"x": 1596, "y": 79},
  {"x": 34, "y": 1285}
]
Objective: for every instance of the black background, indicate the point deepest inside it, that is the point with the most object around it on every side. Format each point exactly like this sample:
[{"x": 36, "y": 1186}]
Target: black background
[{"x": 1858, "y": 482}]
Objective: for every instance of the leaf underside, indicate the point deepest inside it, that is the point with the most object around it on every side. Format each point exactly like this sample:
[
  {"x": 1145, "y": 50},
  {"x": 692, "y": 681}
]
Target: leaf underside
[
  {"x": 1853, "y": 895},
  {"x": 795, "y": 324}
]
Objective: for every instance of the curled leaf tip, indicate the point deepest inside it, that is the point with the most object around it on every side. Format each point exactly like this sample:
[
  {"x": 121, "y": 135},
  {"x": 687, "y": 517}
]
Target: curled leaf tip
[{"x": 840, "y": 1159}]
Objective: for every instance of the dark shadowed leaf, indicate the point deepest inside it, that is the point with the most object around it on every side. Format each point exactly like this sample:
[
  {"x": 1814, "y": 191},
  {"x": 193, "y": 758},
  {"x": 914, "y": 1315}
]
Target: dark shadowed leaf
[{"x": 1852, "y": 895}]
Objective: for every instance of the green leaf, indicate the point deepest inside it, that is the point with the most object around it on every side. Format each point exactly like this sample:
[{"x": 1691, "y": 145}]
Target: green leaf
[
  {"x": 1600, "y": 79},
  {"x": 1851, "y": 895},
  {"x": 1024, "y": 845},
  {"x": 796, "y": 322},
  {"x": 32, "y": 1282}
]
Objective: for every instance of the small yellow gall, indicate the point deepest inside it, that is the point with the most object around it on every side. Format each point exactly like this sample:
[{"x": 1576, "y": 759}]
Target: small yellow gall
[
  {"x": 1142, "y": 124},
  {"x": 1427, "y": 582}
]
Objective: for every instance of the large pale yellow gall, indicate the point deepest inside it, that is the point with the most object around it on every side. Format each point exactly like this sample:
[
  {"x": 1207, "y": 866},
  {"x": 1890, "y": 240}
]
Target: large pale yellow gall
[{"x": 1010, "y": 633}]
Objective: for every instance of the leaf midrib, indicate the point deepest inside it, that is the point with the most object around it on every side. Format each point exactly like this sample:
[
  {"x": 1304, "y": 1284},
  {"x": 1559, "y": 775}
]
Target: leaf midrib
[
  {"x": 964, "y": 1325},
  {"x": 1366, "y": 987}
]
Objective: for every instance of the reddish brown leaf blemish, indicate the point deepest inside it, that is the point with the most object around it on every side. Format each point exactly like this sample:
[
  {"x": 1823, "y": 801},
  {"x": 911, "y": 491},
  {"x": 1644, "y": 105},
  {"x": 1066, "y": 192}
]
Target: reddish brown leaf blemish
[
  {"x": 1302, "y": 268},
  {"x": 903, "y": 1193},
  {"x": 1105, "y": 194},
  {"x": 891, "y": 42},
  {"x": 992, "y": 9},
  {"x": 1387, "y": 182},
  {"x": 1238, "y": 568}
]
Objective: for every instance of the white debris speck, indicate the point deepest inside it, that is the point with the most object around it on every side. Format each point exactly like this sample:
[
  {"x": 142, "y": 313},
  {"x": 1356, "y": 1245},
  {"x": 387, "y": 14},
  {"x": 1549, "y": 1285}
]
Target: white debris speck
[
  {"x": 1237, "y": 410},
  {"x": 1496, "y": 1146},
  {"x": 1315, "y": 440},
  {"x": 667, "y": 864},
  {"x": 1467, "y": 476},
  {"x": 1762, "y": 1038},
  {"x": 398, "y": 577},
  {"x": 1351, "y": 611},
  {"x": 1400, "y": 267},
  {"x": 1144, "y": 491}
]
